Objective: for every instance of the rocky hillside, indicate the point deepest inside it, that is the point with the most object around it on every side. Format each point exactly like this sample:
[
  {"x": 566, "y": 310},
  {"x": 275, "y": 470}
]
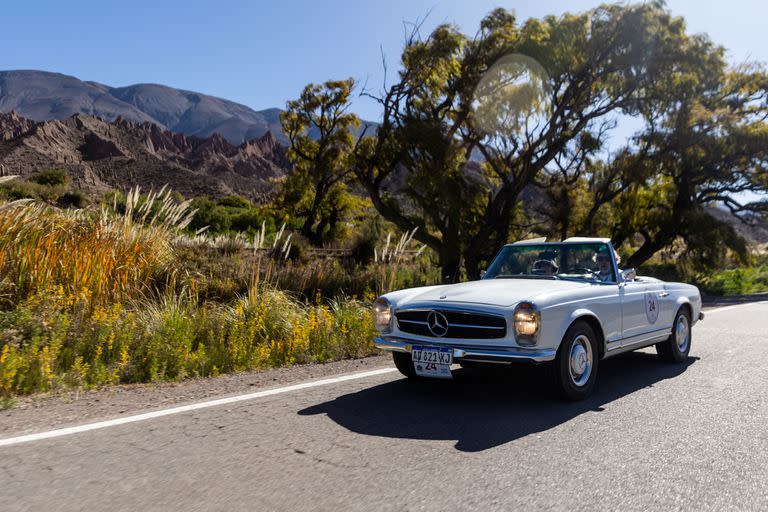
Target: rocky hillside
[
  {"x": 755, "y": 232},
  {"x": 100, "y": 155},
  {"x": 42, "y": 96}
]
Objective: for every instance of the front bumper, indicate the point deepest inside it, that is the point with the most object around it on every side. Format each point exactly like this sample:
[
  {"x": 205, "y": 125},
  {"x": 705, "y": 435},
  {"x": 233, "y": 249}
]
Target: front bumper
[{"x": 464, "y": 353}]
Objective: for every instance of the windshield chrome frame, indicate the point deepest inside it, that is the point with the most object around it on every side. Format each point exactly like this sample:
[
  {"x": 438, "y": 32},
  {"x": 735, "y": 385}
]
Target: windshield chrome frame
[{"x": 614, "y": 263}]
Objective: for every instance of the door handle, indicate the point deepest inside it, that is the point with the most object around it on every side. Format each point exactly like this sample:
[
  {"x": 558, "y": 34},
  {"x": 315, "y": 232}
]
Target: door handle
[{"x": 663, "y": 294}]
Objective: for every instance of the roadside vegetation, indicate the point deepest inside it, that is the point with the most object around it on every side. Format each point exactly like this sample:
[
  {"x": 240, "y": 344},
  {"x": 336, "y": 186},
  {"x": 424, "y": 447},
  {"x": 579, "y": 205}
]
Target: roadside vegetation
[
  {"x": 738, "y": 281},
  {"x": 52, "y": 186},
  {"x": 91, "y": 298}
]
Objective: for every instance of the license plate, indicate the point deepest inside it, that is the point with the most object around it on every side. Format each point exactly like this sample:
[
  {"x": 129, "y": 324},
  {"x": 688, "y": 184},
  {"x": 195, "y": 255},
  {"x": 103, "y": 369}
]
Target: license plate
[{"x": 432, "y": 361}]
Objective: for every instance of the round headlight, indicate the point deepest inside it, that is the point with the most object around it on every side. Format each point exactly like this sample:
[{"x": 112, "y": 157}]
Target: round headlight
[
  {"x": 527, "y": 321},
  {"x": 382, "y": 314}
]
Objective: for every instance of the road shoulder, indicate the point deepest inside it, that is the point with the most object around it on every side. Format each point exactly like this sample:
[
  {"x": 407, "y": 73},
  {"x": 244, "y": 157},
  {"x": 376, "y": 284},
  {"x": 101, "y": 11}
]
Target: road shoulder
[{"x": 57, "y": 410}]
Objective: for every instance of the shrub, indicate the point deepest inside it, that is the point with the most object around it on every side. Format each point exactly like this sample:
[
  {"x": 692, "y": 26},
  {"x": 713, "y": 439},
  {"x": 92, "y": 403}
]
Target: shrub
[
  {"x": 234, "y": 202},
  {"x": 170, "y": 337},
  {"x": 737, "y": 281},
  {"x": 250, "y": 221},
  {"x": 50, "y": 177},
  {"x": 72, "y": 199},
  {"x": 363, "y": 248},
  {"x": 20, "y": 189},
  {"x": 215, "y": 217}
]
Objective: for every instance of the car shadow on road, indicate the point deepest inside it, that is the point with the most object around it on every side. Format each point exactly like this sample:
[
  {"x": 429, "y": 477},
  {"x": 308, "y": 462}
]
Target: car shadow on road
[{"x": 482, "y": 409}]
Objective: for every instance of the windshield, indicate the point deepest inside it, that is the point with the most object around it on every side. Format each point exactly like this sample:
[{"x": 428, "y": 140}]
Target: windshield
[{"x": 584, "y": 261}]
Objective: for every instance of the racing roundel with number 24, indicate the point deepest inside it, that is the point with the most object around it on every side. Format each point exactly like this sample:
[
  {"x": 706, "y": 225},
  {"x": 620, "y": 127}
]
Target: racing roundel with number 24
[{"x": 651, "y": 307}]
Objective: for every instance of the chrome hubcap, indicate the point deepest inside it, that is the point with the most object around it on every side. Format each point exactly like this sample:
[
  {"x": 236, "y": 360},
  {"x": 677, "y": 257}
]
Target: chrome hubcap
[
  {"x": 580, "y": 360},
  {"x": 682, "y": 333}
]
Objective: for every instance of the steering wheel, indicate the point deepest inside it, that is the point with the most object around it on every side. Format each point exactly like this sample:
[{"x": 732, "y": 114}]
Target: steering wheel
[{"x": 585, "y": 270}]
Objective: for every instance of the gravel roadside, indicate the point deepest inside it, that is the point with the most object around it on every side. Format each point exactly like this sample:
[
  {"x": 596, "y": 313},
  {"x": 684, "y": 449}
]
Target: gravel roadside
[{"x": 48, "y": 411}]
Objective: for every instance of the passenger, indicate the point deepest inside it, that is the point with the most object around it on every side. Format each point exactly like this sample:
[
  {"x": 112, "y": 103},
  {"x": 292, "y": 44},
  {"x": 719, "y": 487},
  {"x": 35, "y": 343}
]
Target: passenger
[{"x": 545, "y": 267}]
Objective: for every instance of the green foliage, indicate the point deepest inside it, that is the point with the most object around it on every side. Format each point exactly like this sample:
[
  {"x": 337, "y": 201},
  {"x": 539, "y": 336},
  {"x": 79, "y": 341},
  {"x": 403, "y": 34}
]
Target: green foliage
[
  {"x": 72, "y": 199},
  {"x": 251, "y": 220},
  {"x": 7, "y": 402},
  {"x": 90, "y": 299},
  {"x": 223, "y": 275},
  {"x": 363, "y": 248},
  {"x": 737, "y": 281},
  {"x": 319, "y": 128},
  {"x": 234, "y": 202},
  {"x": 705, "y": 144},
  {"x": 170, "y": 338},
  {"x": 50, "y": 177},
  {"x": 21, "y": 189},
  {"x": 234, "y": 215},
  {"x": 211, "y": 215}
]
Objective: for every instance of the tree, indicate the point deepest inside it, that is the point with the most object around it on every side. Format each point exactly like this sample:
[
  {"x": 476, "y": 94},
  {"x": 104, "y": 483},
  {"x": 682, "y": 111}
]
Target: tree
[
  {"x": 703, "y": 145},
  {"x": 707, "y": 139},
  {"x": 521, "y": 96},
  {"x": 581, "y": 195},
  {"x": 319, "y": 128}
]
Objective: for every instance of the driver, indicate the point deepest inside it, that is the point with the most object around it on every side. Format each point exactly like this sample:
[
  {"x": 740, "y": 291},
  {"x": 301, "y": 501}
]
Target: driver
[{"x": 604, "y": 268}]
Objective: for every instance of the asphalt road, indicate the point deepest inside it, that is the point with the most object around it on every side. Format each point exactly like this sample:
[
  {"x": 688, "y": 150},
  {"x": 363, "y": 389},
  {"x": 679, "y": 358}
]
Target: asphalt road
[{"x": 653, "y": 437}]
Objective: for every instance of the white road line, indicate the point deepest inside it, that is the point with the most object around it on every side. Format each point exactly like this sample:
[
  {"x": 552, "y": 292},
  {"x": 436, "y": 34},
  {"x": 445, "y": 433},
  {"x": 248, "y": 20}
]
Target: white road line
[
  {"x": 191, "y": 407},
  {"x": 726, "y": 308}
]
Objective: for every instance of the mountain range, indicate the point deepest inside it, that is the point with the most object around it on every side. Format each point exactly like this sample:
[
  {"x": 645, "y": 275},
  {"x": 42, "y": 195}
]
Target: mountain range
[
  {"x": 99, "y": 155},
  {"x": 44, "y": 96}
]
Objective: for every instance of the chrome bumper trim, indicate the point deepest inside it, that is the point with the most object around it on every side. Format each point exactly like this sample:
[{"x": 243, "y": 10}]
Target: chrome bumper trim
[{"x": 470, "y": 353}]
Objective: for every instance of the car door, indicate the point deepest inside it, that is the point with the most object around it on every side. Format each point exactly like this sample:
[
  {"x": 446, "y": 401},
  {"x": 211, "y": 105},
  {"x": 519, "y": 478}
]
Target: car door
[
  {"x": 665, "y": 303},
  {"x": 633, "y": 310},
  {"x": 642, "y": 311},
  {"x": 603, "y": 300}
]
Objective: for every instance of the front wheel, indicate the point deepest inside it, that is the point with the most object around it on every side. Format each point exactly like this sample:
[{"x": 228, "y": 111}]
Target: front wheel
[
  {"x": 404, "y": 364},
  {"x": 575, "y": 367},
  {"x": 676, "y": 348}
]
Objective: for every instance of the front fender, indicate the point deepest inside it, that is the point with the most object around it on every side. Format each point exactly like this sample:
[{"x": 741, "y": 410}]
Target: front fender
[
  {"x": 692, "y": 302},
  {"x": 583, "y": 313}
]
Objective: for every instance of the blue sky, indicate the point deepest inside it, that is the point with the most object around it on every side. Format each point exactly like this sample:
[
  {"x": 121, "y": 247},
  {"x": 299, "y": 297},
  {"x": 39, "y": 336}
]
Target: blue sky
[{"x": 262, "y": 53}]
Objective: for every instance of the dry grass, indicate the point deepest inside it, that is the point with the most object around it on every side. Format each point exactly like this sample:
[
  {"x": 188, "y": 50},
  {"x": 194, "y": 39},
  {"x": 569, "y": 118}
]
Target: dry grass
[
  {"x": 103, "y": 256},
  {"x": 95, "y": 298}
]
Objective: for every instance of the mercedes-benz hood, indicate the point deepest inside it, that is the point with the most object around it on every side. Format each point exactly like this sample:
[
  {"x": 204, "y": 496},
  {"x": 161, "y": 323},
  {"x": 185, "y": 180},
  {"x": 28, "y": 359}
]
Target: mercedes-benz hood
[{"x": 495, "y": 292}]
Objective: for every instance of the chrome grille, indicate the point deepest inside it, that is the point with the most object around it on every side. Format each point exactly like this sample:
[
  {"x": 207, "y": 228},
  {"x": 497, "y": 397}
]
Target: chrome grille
[{"x": 461, "y": 324}]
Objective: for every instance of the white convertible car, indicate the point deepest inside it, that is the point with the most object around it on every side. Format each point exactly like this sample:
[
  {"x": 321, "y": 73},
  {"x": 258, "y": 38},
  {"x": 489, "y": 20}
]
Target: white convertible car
[{"x": 566, "y": 304}]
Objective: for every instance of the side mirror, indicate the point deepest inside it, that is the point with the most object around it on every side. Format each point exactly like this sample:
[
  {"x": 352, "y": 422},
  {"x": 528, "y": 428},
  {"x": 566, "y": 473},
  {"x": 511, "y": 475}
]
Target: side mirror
[
  {"x": 629, "y": 274},
  {"x": 482, "y": 273}
]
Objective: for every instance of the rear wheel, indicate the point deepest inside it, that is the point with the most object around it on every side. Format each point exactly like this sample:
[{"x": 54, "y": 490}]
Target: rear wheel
[
  {"x": 677, "y": 347},
  {"x": 575, "y": 367},
  {"x": 404, "y": 364}
]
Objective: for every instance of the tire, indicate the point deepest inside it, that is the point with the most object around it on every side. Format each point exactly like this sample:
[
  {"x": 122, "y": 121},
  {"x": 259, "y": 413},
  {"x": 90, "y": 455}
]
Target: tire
[
  {"x": 576, "y": 363},
  {"x": 404, "y": 364},
  {"x": 677, "y": 347}
]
